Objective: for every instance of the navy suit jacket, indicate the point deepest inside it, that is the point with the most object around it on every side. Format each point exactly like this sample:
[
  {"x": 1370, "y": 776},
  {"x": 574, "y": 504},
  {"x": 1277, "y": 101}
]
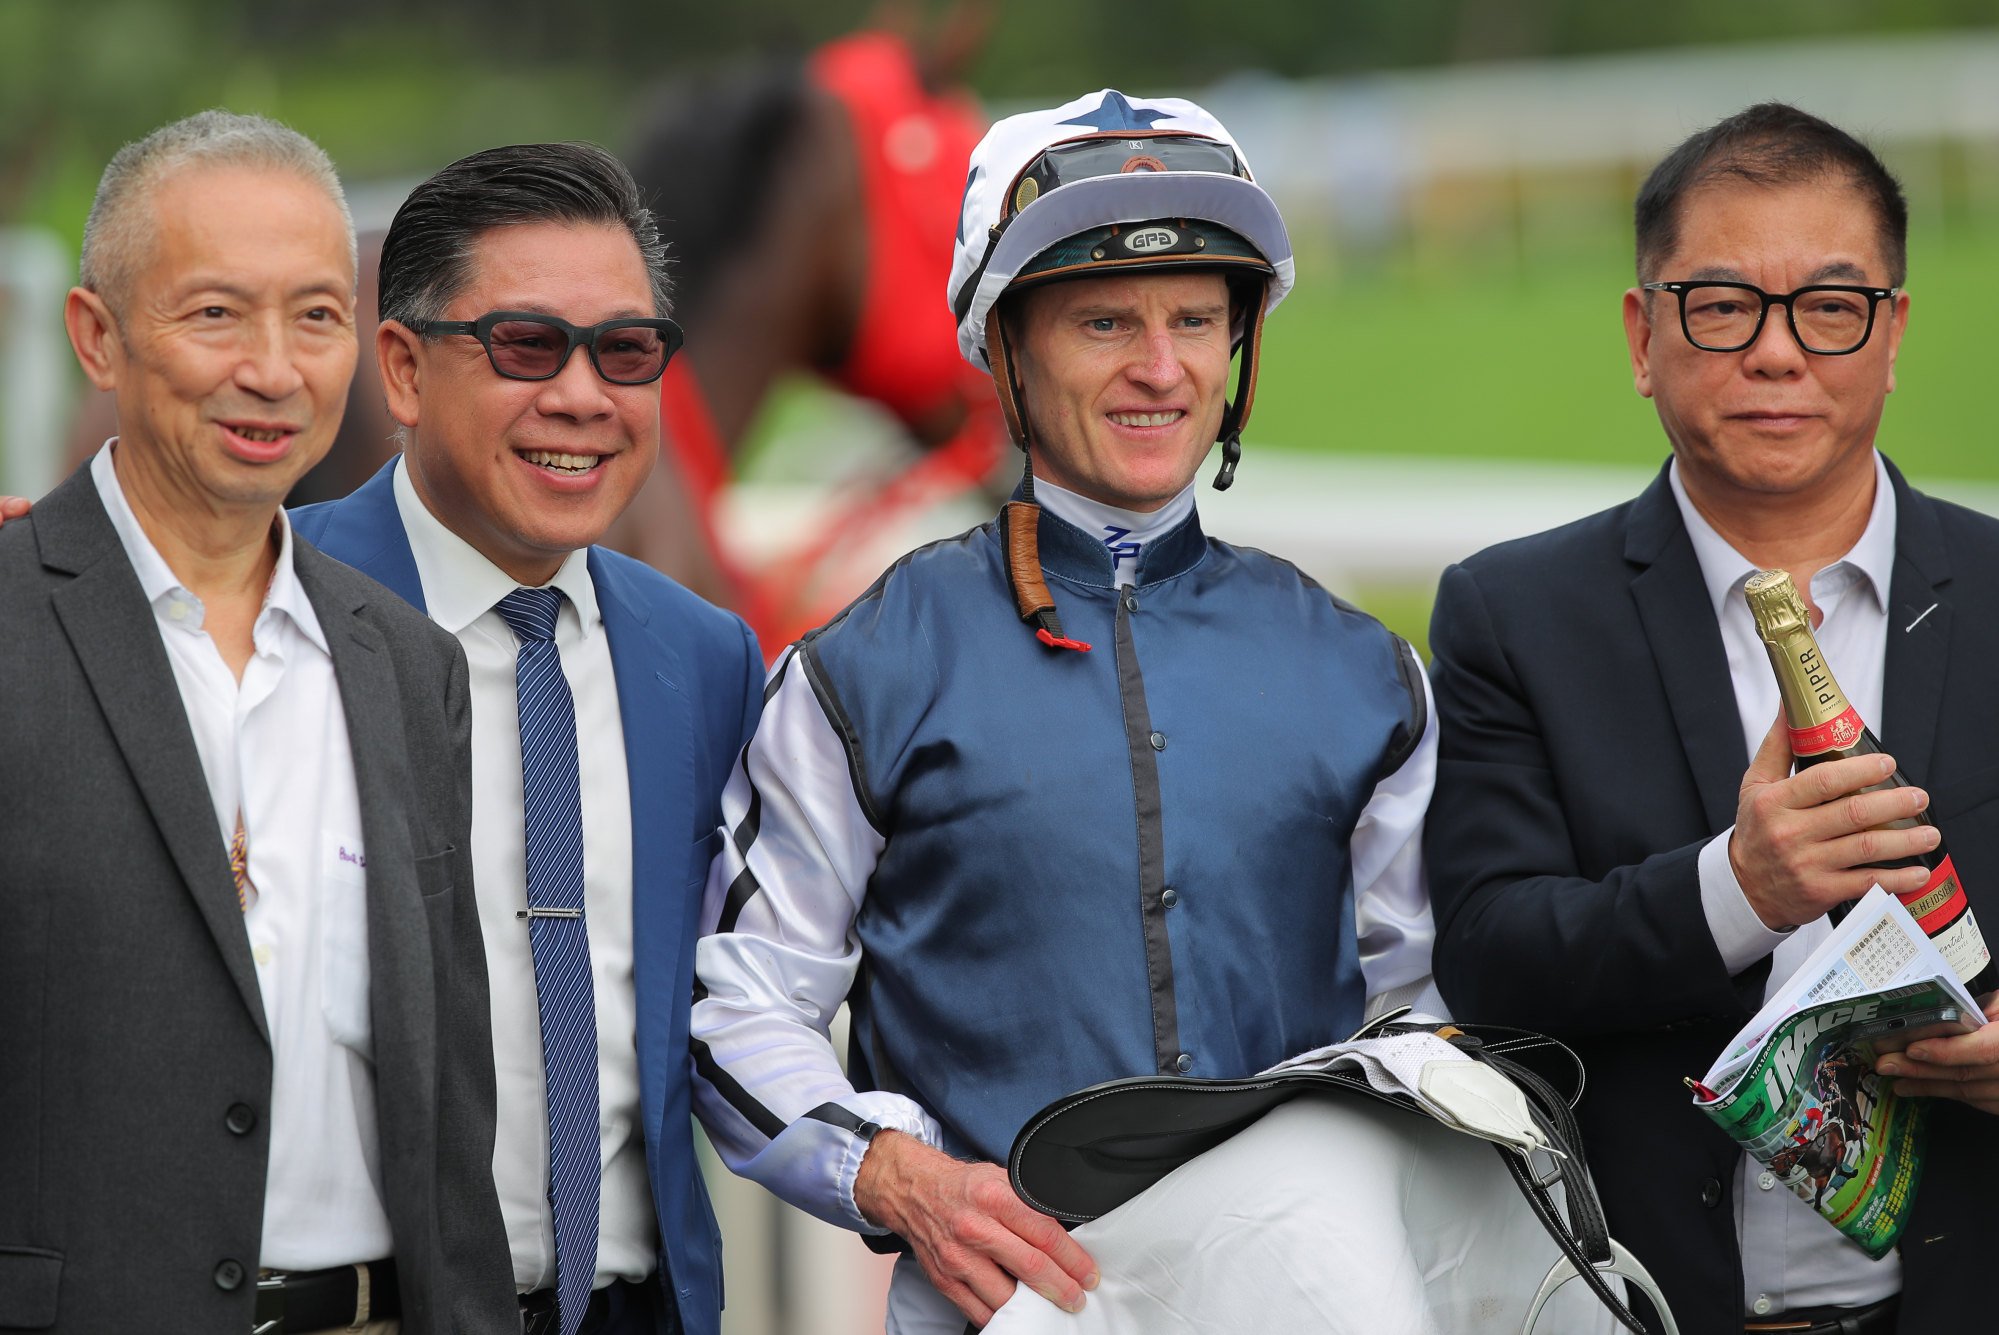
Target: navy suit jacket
[
  {"x": 1590, "y": 745},
  {"x": 690, "y": 686}
]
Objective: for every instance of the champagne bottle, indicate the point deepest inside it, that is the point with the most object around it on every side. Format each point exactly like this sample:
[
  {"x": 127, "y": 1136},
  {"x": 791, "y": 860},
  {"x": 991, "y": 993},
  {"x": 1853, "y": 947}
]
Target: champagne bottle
[{"x": 1824, "y": 726}]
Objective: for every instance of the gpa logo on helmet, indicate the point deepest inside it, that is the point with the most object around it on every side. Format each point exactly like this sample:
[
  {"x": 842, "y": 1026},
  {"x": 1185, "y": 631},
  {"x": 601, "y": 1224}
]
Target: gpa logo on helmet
[{"x": 1151, "y": 240}]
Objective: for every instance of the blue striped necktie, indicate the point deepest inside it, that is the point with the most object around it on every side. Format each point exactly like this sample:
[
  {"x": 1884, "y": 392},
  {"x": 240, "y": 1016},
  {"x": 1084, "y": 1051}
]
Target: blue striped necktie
[{"x": 560, "y": 940}]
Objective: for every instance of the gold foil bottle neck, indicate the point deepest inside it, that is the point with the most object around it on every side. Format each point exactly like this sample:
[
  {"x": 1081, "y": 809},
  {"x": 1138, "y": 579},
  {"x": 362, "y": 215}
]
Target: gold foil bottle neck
[
  {"x": 1819, "y": 714},
  {"x": 1775, "y": 603}
]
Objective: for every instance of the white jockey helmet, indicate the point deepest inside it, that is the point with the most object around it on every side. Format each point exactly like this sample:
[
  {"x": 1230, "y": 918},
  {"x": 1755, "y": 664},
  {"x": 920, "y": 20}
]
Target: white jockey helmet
[{"x": 1108, "y": 184}]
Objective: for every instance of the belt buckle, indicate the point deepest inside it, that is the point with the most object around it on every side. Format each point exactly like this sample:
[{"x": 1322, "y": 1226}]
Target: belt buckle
[
  {"x": 363, "y": 1297},
  {"x": 269, "y": 1315},
  {"x": 539, "y": 1315}
]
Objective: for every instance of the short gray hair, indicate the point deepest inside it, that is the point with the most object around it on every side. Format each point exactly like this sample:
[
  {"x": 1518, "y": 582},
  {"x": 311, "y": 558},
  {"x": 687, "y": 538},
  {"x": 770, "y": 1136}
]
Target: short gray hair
[{"x": 116, "y": 231}]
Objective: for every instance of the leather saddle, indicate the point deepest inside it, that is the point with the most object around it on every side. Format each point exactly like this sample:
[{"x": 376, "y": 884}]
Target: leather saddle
[{"x": 1091, "y": 1151}]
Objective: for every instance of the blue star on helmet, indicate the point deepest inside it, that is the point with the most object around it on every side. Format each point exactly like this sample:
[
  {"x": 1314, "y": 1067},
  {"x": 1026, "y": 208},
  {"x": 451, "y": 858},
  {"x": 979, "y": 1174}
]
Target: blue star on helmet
[{"x": 1115, "y": 113}]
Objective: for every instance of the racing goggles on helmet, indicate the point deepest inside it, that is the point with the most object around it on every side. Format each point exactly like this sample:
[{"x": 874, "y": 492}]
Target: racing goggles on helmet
[
  {"x": 1114, "y": 155},
  {"x": 1094, "y": 157}
]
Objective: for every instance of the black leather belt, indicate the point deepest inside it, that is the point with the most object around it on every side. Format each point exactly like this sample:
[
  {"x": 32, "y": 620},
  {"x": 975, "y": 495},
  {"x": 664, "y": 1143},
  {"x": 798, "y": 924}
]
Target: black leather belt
[
  {"x": 311, "y": 1300},
  {"x": 539, "y": 1316},
  {"x": 1878, "y": 1319},
  {"x": 538, "y": 1313}
]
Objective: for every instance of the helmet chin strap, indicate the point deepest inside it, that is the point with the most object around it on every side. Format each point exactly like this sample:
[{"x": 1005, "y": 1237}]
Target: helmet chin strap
[
  {"x": 1020, "y": 521},
  {"x": 1231, "y": 456},
  {"x": 1236, "y": 415},
  {"x": 1000, "y": 353},
  {"x": 1020, "y": 546}
]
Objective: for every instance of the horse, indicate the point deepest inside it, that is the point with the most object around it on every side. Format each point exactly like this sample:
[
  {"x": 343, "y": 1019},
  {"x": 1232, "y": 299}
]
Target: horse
[
  {"x": 809, "y": 206},
  {"x": 1844, "y": 1085},
  {"x": 1819, "y": 1155},
  {"x": 812, "y": 206}
]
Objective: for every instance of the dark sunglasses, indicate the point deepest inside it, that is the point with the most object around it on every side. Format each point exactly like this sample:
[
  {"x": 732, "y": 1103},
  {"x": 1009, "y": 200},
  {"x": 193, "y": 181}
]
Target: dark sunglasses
[
  {"x": 1081, "y": 159},
  {"x": 523, "y": 345}
]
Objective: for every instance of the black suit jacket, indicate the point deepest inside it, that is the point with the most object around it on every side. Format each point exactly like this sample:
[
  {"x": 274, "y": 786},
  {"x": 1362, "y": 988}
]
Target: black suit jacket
[
  {"x": 135, "y": 1065},
  {"x": 1590, "y": 745}
]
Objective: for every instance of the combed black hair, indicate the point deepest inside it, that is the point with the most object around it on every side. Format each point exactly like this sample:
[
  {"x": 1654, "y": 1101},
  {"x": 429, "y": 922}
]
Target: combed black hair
[
  {"x": 1769, "y": 144},
  {"x": 428, "y": 251}
]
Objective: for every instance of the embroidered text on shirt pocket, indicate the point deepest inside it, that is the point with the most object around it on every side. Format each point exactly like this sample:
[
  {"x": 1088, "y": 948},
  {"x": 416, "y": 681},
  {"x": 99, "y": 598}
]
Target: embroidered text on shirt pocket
[{"x": 343, "y": 941}]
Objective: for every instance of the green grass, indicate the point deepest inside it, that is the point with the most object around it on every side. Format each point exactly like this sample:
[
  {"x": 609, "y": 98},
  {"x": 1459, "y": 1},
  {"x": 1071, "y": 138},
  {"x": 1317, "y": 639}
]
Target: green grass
[{"x": 1526, "y": 360}]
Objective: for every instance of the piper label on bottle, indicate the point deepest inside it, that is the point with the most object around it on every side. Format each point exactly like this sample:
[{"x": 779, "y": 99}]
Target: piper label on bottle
[
  {"x": 1836, "y": 734},
  {"x": 1940, "y": 910}
]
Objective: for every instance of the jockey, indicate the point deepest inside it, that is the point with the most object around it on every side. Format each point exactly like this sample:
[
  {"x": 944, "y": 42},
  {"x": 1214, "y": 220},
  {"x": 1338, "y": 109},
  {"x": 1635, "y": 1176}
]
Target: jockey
[
  {"x": 1807, "y": 1126},
  {"x": 1150, "y": 191},
  {"x": 1175, "y": 829}
]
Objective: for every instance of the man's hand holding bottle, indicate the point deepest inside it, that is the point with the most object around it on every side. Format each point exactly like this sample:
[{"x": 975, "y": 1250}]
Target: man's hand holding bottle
[{"x": 1804, "y": 842}]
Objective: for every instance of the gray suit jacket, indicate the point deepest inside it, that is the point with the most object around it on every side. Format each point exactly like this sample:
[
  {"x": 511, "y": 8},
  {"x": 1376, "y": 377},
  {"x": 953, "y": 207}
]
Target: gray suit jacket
[{"x": 135, "y": 1067}]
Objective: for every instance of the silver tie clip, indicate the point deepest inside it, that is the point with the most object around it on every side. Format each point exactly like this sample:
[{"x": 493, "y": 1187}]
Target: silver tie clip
[{"x": 525, "y": 914}]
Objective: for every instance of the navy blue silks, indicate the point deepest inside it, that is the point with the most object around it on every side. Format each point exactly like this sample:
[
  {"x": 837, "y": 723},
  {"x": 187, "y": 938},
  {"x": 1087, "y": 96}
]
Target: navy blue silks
[{"x": 1139, "y": 854}]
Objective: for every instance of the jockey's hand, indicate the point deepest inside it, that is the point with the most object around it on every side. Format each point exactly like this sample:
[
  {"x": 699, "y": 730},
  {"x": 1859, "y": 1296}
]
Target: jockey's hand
[
  {"x": 1803, "y": 843},
  {"x": 972, "y": 1235},
  {"x": 13, "y": 507},
  {"x": 1962, "y": 1066}
]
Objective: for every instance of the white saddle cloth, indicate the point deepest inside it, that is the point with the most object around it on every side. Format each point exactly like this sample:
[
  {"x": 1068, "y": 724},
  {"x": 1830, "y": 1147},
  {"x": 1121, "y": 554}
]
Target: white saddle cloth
[{"x": 1330, "y": 1216}]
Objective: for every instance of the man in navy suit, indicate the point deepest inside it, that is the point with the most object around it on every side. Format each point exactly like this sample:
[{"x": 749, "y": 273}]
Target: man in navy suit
[
  {"x": 523, "y": 296},
  {"x": 1618, "y": 851}
]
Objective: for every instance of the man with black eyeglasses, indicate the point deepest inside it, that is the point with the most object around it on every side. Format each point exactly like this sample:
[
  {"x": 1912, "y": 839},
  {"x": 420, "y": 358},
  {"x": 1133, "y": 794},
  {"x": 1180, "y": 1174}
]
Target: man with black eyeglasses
[
  {"x": 523, "y": 296},
  {"x": 1618, "y": 853}
]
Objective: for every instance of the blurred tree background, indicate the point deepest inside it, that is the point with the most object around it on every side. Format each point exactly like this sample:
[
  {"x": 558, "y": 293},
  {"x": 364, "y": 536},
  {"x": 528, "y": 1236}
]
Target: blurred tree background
[
  {"x": 1457, "y": 175},
  {"x": 396, "y": 87}
]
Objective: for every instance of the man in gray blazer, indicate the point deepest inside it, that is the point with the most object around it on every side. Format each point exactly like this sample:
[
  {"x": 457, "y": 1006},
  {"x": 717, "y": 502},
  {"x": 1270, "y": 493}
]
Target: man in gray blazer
[{"x": 245, "y": 1075}]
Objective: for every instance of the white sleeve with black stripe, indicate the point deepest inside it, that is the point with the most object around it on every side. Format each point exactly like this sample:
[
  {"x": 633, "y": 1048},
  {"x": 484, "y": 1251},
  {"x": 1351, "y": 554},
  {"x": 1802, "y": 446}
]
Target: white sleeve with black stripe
[
  {"x": 778, "y": 955},
  {"x": 1391, "y": 892}
]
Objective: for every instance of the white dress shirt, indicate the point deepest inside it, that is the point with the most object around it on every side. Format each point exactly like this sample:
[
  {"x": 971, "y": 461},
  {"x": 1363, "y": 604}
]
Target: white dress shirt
[
  {"x": 460, "y": 587},
  {"x": 773, "y": 983},
  {"x": 1791, "y": 1257},
  {"x": 275, "y": 748}
]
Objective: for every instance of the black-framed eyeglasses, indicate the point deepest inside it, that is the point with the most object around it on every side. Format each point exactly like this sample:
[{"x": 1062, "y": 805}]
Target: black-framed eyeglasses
[
  {"x": 1830, "y": 319},
  {"x": 526, "y": 345}
]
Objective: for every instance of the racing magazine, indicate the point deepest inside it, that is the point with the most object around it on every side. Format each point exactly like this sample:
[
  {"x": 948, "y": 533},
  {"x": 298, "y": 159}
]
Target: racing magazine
[{"x": 1797, "y": 1089}]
